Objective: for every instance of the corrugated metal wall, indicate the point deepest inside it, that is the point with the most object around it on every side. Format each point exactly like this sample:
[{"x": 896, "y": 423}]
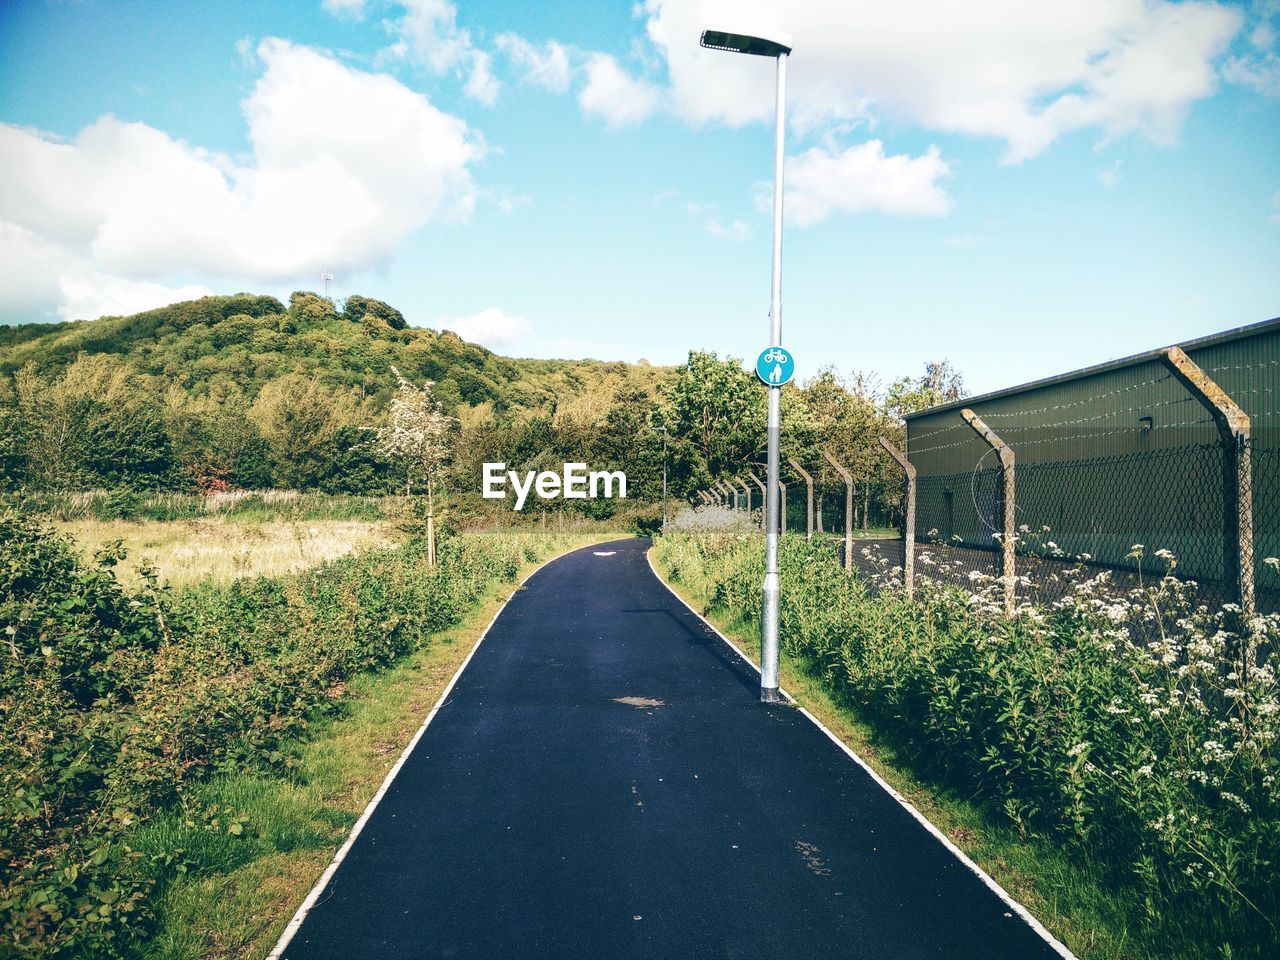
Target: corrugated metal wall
[{"x": 1099, "y": 475}]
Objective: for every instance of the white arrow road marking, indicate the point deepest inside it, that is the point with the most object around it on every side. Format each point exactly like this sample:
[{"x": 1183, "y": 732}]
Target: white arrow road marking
[{"x": 604, "y": 553}]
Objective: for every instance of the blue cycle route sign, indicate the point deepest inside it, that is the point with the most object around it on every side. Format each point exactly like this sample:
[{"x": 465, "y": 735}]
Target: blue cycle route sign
[{"x": 775, "y": 366}]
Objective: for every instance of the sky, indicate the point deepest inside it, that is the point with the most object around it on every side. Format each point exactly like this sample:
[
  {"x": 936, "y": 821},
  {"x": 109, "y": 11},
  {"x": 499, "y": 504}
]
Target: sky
[{"x": 1023, "y": 187}]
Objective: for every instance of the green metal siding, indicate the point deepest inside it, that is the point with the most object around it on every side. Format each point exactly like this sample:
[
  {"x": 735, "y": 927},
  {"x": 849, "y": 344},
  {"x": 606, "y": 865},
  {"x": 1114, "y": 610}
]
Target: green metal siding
[{"x": 1088, "y": 470}]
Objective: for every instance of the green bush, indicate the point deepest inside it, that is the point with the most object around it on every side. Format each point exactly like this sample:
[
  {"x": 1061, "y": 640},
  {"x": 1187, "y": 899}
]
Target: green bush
[
  {"x": 1117, "y": 726},
  {"x": 117, "y": 702}
]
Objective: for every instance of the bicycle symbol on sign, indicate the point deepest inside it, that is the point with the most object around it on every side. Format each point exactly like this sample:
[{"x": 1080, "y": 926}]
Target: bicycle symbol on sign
[{"x": 775, "y": 366}]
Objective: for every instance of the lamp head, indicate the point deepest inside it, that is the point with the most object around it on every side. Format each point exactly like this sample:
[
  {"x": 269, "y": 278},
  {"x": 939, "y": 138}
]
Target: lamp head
[{"x": 745, "y": 43}]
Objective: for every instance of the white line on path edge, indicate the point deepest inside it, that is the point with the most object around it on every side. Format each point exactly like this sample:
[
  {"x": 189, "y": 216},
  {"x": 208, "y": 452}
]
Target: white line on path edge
[
  {"x": 1054, "y": 943},
  {"x": 296, "y": 923}
]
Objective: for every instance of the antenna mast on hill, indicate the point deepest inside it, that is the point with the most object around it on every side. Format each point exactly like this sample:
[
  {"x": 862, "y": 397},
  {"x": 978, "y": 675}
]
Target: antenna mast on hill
[{"x": 328, "y": 279}]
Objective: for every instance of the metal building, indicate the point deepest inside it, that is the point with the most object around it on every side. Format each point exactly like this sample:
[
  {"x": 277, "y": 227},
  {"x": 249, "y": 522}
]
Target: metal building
[{"x": 1113, "y": 455}]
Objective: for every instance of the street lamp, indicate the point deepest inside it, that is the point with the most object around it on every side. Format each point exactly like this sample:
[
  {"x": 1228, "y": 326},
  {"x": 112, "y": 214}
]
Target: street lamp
[{"x": 768, "y": 47}]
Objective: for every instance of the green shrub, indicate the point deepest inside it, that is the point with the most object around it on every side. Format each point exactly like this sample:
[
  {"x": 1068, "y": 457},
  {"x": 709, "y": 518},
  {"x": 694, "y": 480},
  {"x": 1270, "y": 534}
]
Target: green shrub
[
  {"x": 117, "y": 702},
  {"x": 1118, "y": 726}
]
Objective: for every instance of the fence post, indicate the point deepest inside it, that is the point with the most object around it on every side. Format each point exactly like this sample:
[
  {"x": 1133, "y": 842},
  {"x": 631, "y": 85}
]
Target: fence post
[
  {"x": 746, "y": 490},
  {"x": 1237, "y": 523},
  {"x": 808, "y": 483},
  {"x": 909, "y": 518},
  {"x": 847, "y": 477},
  {"x": 1009, "y": 539},
  {"x": 732, "y": 491},
  {"x": 706, "y": 498},
  {"x": 719, "y": 488},
  {"x": 782, "y": 507},
  {"x": 763, "y": 500}
]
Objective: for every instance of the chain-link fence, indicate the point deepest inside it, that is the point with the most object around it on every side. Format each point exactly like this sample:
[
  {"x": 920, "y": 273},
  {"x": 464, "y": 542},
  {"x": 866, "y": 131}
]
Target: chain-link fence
[
  {"x": 1090, "y": 514},
  {"x": 1266, "y": 522},
  {"x": 1165, "y": 462},
  {"x": 1151, "y": 470}
]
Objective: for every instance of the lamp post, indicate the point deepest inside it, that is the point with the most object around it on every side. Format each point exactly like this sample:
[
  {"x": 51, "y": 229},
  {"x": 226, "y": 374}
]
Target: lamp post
[{"x": 767, "y": 47}]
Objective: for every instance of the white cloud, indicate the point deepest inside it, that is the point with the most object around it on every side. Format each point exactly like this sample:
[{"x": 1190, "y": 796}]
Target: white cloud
[
  {"x": 736, "y": 230},
  {"x": 353, "y": 9},
  {"x": 344, "y": 165},
  {"x": 89, "y": 294},
  {"x": 820, "y": 182},
  {"x": 482, "y": 85},
  {"x": 40, "y": 279},
  {"x": 1260, "y": 73},
  {"x": 546, "y": 67},
  {"x": 708, "y": 214},
  {"x": 492, "y": 328},
  {"x": 1110, "y": 176},
  {"x": 428, "y": 33},
  {"x": 614, "y": 95},
  {"x": 1259, "y": 69},
  {"x": 1024, "y": 71}
]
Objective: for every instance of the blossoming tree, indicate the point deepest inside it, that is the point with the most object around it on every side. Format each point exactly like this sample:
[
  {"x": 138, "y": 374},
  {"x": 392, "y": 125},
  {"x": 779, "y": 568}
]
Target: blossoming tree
[{"x": 419, "y": 437}]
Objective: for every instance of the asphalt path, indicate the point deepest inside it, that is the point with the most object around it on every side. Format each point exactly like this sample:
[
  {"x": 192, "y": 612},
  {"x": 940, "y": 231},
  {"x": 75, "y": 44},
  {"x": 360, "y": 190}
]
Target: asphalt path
[{"x": 603, "y": 782}]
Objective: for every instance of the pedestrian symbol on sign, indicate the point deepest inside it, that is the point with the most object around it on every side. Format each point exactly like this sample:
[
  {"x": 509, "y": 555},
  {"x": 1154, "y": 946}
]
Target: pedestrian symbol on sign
[{"x": 775, "y": 367}]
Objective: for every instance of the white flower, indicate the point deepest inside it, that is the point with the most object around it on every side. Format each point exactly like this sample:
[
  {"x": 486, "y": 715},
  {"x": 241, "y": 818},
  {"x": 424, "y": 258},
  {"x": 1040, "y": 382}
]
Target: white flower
[{"x": 1078, "y": 749}]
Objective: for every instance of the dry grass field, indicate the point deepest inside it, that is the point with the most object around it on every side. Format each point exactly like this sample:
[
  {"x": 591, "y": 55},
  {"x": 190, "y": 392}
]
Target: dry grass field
[{"x": 184, "y": 551}]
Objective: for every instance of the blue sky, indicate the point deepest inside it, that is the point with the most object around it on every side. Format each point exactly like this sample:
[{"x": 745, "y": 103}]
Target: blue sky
[{"x": 1023, "y": 188}]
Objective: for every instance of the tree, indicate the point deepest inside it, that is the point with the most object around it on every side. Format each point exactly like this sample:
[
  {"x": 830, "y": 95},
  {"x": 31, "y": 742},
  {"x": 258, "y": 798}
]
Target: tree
[
  {"x": 941, "y": 383},
  {"x": 300, "y": 419},
  {"x": 625, "y": 439},
  {"x": 357, "y": 309},
  {"x": 719, "y": 408},
  {"x": 419, "y": 438},
  {"x": 96, "y": 424}
]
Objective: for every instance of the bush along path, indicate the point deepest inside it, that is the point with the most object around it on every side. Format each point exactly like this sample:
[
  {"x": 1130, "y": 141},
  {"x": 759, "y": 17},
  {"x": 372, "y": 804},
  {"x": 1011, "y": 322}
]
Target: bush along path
[
  {"x": 118, "y": 703},
  {"x": 1151, "y": 757}
]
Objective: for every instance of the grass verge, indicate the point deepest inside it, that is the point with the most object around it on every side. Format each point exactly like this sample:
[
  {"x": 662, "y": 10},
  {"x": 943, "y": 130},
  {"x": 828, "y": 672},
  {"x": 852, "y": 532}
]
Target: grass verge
[
  {"x": 183, "y": 552},
  {"x": 1072, "y": 899},
  {"x": 239, "y": 891}
]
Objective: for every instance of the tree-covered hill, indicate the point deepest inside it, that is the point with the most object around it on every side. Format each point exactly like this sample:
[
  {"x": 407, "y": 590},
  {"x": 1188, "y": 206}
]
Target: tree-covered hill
[
  {"x": 239, "y": 343},
  {"x": 245, "y": 392}
]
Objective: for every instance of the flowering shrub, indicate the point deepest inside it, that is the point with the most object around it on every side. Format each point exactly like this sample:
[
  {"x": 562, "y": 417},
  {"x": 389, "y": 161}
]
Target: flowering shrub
[
  {"x": 1116, "y": 723},
  {"x": 116, "y": 702},
  {"x": 712, "y": 520}
]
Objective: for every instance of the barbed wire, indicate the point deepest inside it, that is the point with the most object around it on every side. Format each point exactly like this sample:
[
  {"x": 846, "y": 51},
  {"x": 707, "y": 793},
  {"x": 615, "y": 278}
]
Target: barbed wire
[
  {"x": 1242, "y": 366},
  {"x": 1080, "y": 403},
  {"x": 1059, "y": 439},
  {"x": 946, "y": 429},
  {"x": 1102, "y": 416},
  {"x": 1005, "y": 415}
]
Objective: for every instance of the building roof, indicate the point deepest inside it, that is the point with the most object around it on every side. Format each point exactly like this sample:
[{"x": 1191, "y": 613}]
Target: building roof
[{"x": 1213, "y": 339}]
